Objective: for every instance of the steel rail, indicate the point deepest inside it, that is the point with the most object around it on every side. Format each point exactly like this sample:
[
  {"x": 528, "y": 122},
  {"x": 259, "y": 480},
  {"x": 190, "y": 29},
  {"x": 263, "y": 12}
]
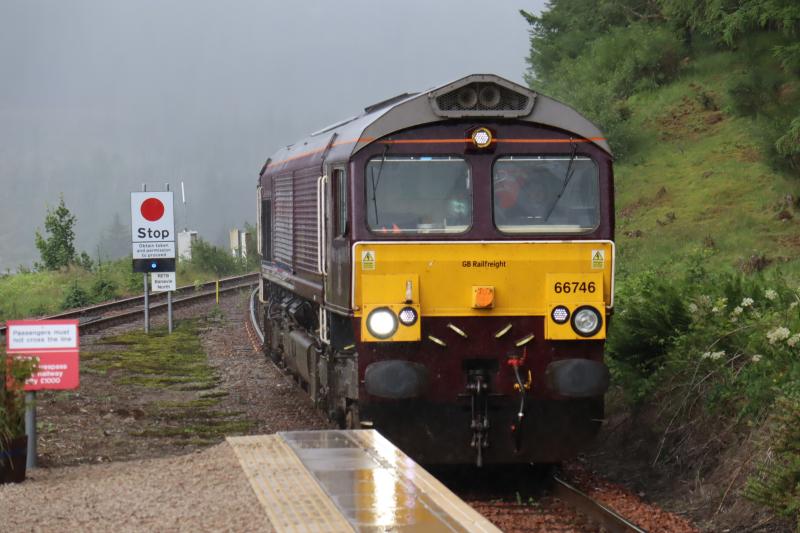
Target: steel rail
[
  {"x": 90, "y": 312},
  {"x": 607, "y": 518},
  {"x": 105, "y": 321},
  {"x": 254, "y": 316}
]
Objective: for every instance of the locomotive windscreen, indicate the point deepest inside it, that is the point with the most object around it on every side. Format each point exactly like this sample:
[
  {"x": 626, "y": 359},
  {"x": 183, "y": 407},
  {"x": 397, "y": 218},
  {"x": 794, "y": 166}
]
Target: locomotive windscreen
[
  {"x": 547, "y": 194},
  {"x": 418, "y": 194}
]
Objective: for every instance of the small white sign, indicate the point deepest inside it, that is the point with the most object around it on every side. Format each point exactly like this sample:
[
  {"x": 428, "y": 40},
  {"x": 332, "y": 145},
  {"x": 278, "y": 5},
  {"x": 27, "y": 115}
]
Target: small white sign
[
  {"x": 42, "y": 336},
  {"x": 154, "y": 250},
  {"x": 162, "y": 281}
]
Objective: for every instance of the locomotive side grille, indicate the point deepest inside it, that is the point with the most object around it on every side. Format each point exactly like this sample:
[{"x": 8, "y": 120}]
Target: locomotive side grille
[
  {"x": 482, "y": 99},
  {"x": 283, "y": 249},
  {"x": 305, "y": 221}
]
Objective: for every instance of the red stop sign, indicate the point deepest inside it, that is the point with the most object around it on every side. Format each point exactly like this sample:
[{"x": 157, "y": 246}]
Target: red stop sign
[{"x": 152, "y": 209}]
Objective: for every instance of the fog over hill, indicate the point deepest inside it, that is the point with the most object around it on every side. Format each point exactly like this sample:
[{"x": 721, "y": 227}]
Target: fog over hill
[{"x": 97, "y": 97}]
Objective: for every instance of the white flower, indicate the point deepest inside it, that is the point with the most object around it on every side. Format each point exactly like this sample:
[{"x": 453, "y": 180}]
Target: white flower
[
  {"x": 792, "y": 305},
  {"x": 756, "y": 358},
  {"x": 778, "y": 334},
  {"x": 747, "y": 302},
  {"x": 713, "y": 355},
  {"x": 715, "y": 309},
  {"x": 793, "y": 340},
  {"x": 737, "y": 311},
  {"x": 770, "y": 294},
  {"x": 693, "y": 307}
]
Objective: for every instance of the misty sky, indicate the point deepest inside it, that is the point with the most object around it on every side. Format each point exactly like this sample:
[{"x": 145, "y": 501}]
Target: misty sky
[{"x": 100, "y": 96}]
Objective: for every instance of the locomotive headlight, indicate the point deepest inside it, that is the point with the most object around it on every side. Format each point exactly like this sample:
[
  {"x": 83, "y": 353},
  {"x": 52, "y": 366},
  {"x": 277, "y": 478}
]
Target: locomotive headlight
[
  {"x": 408, "y": 316},
  {"x": 586, "y": 321},
  {"x": 560, "y": 314},
  {"x": 382, "y": 323},
  {"x": 482, "y": 137}
]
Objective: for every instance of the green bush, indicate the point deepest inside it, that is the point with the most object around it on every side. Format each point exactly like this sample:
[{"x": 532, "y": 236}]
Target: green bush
[
  {"x": 776, "y": 483},
  {"x": 12, "y": 399},
  {"x": 788, "y": 144},
  {"x": 752, "y": 90},
  {"x": 728, "y": 342},
  {"x": 210, "y": 258},
  {"x": 103, "y": 289},
  {"x": 75, "y": 297}
]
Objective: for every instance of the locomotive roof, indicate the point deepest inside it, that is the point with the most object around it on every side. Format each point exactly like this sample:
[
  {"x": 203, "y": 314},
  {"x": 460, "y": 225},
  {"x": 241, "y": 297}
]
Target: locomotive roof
[{"x": 340, "y": 141}]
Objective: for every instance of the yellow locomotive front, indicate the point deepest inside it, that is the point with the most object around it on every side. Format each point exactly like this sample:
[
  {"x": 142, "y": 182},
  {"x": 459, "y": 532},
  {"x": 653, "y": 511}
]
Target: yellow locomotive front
[{"x": 480, "y": 329}]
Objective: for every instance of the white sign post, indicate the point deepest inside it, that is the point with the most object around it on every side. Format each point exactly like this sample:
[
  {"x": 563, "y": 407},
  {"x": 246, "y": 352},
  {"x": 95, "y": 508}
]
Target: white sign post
[
  {"x": 153, "y": 240},
  {"x": 152, "y": 225}
]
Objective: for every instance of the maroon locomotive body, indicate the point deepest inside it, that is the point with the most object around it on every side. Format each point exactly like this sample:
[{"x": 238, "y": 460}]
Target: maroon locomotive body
[{"x": 440, "y": 268}]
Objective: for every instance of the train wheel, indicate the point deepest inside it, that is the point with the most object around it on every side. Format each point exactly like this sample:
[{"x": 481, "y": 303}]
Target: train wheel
[{"x": 269, "y": 352}]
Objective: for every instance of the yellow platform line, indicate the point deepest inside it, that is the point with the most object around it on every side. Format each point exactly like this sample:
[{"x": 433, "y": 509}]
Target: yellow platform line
[{"x": 291, "y": 497}]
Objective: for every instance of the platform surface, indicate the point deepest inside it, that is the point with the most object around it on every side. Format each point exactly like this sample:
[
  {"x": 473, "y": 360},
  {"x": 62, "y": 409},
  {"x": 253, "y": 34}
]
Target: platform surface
[{"x": 355, "y": 480}]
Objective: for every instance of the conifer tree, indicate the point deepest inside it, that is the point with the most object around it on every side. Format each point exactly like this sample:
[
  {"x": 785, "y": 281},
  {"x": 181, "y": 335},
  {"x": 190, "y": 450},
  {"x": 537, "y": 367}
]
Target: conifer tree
[{"x": 57, "y": 249}]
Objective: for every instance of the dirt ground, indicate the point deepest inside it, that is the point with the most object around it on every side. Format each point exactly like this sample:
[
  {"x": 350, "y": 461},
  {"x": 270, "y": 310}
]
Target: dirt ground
[
  {"x": 705, "y": 488},
  {"x": 117, "y": 414}
]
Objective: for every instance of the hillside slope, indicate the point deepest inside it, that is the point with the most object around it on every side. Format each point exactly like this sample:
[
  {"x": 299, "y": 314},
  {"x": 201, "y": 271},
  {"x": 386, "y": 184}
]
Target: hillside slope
[
  {"x": 697, "y": 182},
  {"x": 700, "y": 101}
]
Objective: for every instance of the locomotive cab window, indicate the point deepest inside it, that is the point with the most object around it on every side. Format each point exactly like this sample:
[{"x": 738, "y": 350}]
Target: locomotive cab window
[
  {"x": 546, "y": 194},
  {"x": 419, "y": 194}
]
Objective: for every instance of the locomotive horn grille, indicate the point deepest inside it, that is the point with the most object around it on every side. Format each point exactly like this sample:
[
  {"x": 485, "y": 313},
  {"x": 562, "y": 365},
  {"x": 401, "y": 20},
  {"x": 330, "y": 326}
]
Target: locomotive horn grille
[{"x": 481, "y": 99}]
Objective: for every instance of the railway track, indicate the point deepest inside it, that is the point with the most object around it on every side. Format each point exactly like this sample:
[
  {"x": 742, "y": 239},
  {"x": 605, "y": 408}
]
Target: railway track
[
  {"x": 105, "y": 314},
  {"x": 597, "y": 513},
  {"x": 601, "y": 515}
]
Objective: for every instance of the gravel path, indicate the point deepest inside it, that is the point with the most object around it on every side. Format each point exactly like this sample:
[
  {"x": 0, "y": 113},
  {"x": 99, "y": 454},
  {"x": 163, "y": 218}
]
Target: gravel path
[{"x": 202, "y": 491}]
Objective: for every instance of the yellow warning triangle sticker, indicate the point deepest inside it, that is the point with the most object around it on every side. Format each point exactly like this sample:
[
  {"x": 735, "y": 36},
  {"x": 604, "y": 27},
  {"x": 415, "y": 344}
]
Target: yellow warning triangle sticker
[
  {"x": 598, "y": 255},
  {"x": 368, "y": 257}
]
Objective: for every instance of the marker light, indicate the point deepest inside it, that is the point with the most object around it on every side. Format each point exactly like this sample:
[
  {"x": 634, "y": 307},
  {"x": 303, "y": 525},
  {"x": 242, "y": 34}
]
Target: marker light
[
  {"x": 586, "y": 321},
  {"x": 482, "y": 137},
  {"x": 408, "y": 316},
  {"x": 560, "y": 314},
  {"x": 381, "y": 323}
]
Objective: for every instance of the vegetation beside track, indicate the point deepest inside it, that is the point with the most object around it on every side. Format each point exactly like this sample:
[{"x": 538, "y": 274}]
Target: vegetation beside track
[
  {"x": 701, "y": 102},
  {"x": 30, "y": 294},
  {"x": 173, "y": 373}
]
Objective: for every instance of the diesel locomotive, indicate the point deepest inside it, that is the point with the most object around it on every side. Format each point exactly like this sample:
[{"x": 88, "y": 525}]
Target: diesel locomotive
[{"x": 441, "y": 268}]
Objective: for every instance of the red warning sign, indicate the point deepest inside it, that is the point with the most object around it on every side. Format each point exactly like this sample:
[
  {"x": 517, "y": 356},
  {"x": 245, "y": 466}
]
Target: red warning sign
[
  {"x": 54, "y": 343},
  {"x": 152, "y": 209}
]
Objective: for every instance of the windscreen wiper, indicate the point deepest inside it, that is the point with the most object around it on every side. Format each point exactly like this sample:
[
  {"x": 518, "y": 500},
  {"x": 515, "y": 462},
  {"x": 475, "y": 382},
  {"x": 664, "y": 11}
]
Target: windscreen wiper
[
  {"x": 376, "y": 182},
  {"x": 567, "y": 178}
]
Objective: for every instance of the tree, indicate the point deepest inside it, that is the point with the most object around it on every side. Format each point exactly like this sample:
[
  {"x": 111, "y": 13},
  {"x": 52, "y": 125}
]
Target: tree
[
  {"x": 58, "y": 248},
  {"x": 115, "y": 241}
]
